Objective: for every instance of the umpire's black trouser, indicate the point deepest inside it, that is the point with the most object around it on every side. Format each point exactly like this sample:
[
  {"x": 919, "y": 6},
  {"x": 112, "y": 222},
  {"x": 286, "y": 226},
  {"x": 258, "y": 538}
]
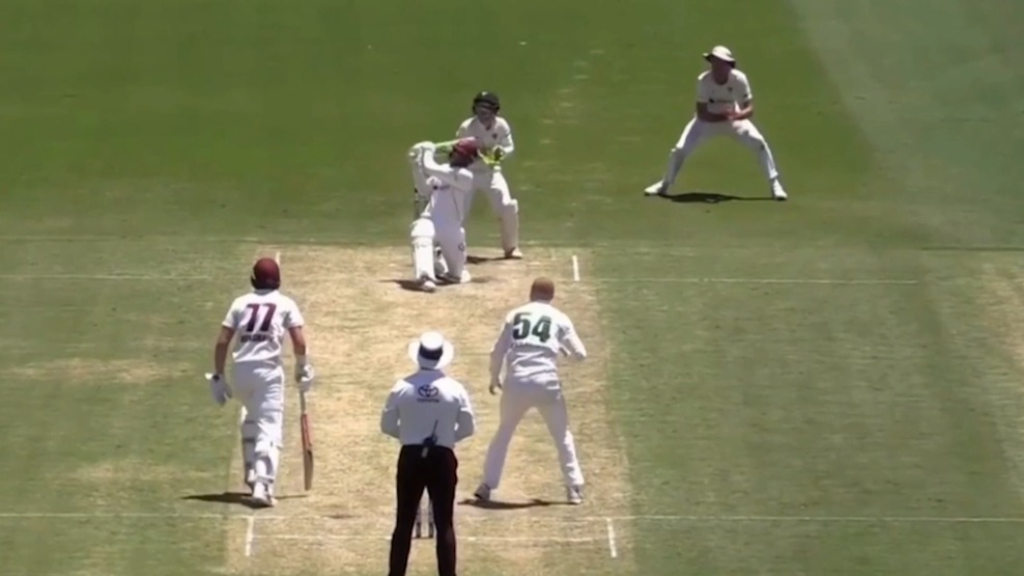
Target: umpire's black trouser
[{"x": 438, "y": 473}]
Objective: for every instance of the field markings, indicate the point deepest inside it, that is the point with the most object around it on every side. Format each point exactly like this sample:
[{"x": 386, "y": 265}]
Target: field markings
[
  {"x": 576, "y": 278},
  {"x": 552, "y": 519},
  {"x": 575, "y": 268},
  {"x": 612, "y": 549}
]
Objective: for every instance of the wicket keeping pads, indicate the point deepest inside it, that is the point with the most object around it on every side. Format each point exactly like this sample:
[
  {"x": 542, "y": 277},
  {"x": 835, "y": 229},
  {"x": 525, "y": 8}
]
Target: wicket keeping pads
[{"x": 307, "y": 443}]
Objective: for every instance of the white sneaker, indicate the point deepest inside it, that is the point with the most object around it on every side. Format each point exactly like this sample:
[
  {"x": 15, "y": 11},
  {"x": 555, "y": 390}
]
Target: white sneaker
[
  {"x": 656, "y": 189},
  {"x": 261, "y": 497},
  {"x": 427, "y": 285},
  {"x": 483, "y": 492},
  {"x": 778, "y": 192},
  {"x": 466, "y": 278},
  {"x": 575, "y": 495},
  {"x": 514, "y": 253}
]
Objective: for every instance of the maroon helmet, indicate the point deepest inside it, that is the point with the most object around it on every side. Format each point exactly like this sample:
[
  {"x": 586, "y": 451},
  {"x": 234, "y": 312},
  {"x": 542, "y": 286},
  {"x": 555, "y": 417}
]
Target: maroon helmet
[{"x": 266, "y": 275}]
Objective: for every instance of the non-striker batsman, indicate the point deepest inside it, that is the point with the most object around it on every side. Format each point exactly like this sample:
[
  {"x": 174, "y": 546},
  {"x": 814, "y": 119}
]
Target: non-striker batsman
[{"x": 260, "y": 319}]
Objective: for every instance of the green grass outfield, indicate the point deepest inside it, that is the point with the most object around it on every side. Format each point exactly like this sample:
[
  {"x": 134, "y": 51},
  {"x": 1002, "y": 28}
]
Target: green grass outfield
[{"x": 823, "y": 387}]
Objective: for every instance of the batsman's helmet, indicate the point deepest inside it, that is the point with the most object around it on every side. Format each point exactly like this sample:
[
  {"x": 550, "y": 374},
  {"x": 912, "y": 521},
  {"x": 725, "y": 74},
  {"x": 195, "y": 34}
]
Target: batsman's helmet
[
  {"x": 489, "y": 99},
  {"x": 466, "y": 147},
  {"x": 266, "y": 275}
]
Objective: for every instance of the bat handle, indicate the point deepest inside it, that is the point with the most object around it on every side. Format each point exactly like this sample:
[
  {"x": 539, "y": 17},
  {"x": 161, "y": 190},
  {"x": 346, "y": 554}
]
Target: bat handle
[{"x": 302, "y": 401}]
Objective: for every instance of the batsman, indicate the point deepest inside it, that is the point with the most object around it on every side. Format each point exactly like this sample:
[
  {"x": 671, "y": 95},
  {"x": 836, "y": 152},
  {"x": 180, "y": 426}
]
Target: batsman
[
  {"x": 260, "y": 320},
  {"x": 441, "y": 192}
]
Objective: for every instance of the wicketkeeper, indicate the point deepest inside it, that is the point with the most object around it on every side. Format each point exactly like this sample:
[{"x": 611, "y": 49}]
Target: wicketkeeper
[{"x": 260, "y": 319}]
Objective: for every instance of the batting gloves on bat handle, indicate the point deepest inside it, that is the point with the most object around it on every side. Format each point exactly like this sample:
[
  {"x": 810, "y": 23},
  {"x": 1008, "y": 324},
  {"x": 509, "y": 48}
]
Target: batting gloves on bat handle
[
  {"x": 219, "y": 388},
  {"x": 304, "y": 374}
]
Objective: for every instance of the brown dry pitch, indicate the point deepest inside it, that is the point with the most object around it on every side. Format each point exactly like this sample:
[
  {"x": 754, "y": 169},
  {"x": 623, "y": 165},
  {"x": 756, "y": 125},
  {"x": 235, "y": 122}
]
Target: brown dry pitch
[{"x": 359, "y": 322}]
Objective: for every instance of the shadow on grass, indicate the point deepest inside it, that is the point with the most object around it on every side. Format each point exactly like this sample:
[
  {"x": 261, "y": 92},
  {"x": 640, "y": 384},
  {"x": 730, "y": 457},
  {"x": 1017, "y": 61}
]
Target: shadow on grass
[
  {"x": 709, "y": 198},
  {"x": 499, "y": 505},
  {"x": 236, "y": 498}
]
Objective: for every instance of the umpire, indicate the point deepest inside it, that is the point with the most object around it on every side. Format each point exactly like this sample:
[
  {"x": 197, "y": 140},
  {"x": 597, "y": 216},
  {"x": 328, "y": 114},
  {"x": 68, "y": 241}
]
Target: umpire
[{"x": 428, "y": 413}]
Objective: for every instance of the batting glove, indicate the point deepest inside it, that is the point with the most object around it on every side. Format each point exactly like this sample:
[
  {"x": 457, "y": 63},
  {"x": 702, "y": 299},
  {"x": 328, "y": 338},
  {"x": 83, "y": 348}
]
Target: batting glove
[
  {"x": 219, "y": 388},
  {"x": 305, "y": 376},
  {"x": 494, "y": 387}
]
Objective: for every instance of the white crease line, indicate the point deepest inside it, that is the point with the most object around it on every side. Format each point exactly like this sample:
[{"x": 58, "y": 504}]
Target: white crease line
[
  {"x": 575, "y": 268},
  {"x": 612, "y": 549},
  {"x": 837, "y": 281},
  {"x": 250, "y": 534},
  {"x": 623, "y": 279},
  {"x": 553, "y": 519},
  {"x": 348, "y": 537}
]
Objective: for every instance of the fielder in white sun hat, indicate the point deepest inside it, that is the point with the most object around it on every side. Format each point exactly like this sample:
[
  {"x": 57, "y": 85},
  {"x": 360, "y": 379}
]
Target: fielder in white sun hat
[
  {"x": 431, "y": 351},
  {"x": 721, "y": 53}
]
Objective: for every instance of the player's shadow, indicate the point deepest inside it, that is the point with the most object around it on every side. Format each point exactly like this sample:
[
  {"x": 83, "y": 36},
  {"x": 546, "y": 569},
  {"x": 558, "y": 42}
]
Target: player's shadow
[
  {"x": 235, "y": 498},
  {"x": 708, "y": 198},
  {"x": 499, "y": 505}
]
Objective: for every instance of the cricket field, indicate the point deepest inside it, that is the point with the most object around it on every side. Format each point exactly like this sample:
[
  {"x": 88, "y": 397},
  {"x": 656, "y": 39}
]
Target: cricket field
[{"x": 828, "y": 386}]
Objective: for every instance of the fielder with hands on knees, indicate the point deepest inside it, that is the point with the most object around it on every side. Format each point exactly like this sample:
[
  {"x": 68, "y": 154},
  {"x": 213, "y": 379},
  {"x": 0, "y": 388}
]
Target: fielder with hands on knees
[
  {"x": 428, "y": 412},
  {"x": 528, "y": 347},
  {"x": 260, "y": 319}
]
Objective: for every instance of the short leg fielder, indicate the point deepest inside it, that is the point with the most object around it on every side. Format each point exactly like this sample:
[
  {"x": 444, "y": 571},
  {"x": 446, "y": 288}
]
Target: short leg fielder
[
  {"x": 516, "y": 401},
  {"x": 698, "y": 131},
  {"x": 261, "y": 392}
]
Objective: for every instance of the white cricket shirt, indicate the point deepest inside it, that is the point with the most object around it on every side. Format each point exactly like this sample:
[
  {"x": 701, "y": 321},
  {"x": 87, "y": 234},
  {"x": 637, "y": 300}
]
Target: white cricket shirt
[
  {"x": 721, "y": 98},
  {"x": 428, "y": 403},
  {"x": 451, "y": 187},
  {"x": 497, "y": 136},
  {"x": 260, "y": 320},
  {"x": 530, "y": 342}
]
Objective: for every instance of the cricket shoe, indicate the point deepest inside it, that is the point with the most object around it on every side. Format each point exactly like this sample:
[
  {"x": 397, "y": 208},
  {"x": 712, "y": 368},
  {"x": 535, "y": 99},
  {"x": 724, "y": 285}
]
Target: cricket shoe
[
  {"x": 427, "y": 285},
  {"x": 465, "y": 278},
  {"x": 575, "y": 495},
  {"x": 261, "y": 497},
  {"x": 778, "y": 192},
  {"x": 513, "y": 254},
  {"x": 656, "y": 189},
  {"x": 483, "y": 493}
]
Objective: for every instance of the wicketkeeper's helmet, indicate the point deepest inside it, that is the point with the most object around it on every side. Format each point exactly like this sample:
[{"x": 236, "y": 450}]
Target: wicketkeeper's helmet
[
  {"x": 489, "y": 99},
  {"x": 266, "y": 275}
]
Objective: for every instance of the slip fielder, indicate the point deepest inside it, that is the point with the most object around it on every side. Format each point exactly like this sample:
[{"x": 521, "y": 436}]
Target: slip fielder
[
  {"x": 441, "y": 194},
  {"x": 528, "y": 348},
  {"x": 724, "y": 108},
  {"x": 494, "y": 135},
  {"x": 260, "y": 319}
]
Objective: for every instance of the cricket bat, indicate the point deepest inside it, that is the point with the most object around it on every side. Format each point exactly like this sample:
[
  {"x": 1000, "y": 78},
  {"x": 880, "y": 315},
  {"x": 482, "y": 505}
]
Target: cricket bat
[{"x": 307, "y": 443}]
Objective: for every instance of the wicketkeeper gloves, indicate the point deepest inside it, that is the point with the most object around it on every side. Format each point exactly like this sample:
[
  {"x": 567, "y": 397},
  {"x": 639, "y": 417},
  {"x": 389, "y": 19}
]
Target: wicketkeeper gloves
[{"x": 219, "y": 388}]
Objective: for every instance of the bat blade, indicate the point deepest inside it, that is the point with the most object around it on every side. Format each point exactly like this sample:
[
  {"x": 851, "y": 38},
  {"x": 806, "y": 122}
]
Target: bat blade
[{"x": 307, "y": 446}]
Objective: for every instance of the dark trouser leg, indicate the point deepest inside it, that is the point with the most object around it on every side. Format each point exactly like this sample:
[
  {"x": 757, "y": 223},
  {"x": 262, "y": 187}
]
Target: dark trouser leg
[
  {"x": 409, "y": 485},
  {"x": 441, "y": 486}
]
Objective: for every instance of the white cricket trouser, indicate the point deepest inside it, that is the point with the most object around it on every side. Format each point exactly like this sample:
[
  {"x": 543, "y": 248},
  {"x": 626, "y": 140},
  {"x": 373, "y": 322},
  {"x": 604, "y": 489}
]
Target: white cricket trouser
[
  {"x": 698, "y": 131},
  {"x": 502, "y": 204},
  {"x": 260, "y": 389},
  {"x": 516, "y": 400}
]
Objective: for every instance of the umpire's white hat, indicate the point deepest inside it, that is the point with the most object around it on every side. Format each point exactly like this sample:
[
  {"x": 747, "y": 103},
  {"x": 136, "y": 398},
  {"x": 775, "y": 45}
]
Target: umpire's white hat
[{"x": 431, "y": 351}]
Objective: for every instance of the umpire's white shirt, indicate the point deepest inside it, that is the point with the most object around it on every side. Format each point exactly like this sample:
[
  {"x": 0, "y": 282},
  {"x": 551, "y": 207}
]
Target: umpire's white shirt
[
  {"x": 530, "y": 341},
  {"x": 424, "y": 401}
]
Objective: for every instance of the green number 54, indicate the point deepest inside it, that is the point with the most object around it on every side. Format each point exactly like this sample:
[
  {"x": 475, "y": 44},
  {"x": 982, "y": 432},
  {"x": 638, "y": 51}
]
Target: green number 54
[{"x": 523, "y": 327}]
